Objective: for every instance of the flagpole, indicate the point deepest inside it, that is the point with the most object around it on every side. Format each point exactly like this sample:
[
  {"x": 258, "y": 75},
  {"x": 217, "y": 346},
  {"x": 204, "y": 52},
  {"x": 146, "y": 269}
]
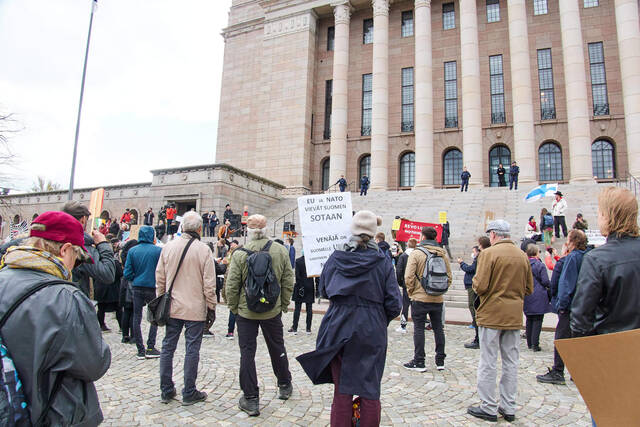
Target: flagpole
[{"x": 94, "y": 3}]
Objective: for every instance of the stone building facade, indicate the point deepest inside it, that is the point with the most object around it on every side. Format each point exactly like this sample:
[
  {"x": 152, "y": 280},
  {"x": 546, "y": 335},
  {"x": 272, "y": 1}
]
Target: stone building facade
[
  {"x": 409, "y": 91},
  {"x": 203, "y": 188}
]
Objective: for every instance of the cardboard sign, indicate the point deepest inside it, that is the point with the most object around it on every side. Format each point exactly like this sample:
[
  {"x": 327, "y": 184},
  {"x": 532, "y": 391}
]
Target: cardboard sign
[
  {"x": 95, "y": 207},
  {"x": 413, "y": 229},
  {"x": 325, "y": 221},
  {"x": 595, "y": 238},
  {"x": 395, "y": 226},
  {"x": 442, "y": 217},
  {"x": 134, "y": 230},
  {"x": 606, "y": 371}
]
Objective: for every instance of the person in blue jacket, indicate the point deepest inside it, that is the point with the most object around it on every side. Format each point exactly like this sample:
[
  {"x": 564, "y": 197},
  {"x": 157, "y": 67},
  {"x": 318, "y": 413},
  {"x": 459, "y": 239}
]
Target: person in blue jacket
[
  {"x": 140, "y": 269},
  {"x": 536, "y": 304},
  {"x": 342, "y": 183},
  {"x": 351, "y": 348},
  {"x": 514, "y": 171},
  {"x": 464, "y": 177},
  {"x": 364, "y": 184}
]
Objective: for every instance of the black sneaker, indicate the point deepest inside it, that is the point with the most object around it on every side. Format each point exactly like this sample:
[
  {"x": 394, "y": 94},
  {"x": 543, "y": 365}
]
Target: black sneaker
[
  {"x": 285, "y": 391},
  {"x": 196, "y": 396},
  {"x": 168, "y": 397},
  {"x": 293, "y": 331},
  {"x": 104, "y": 328},
  {"x": 440, "y": 366},
  {"x": 207, "y": 334},
  {"x": 479, "y": 413},
  {"x": 507, "y": 417},
  {"x": 536, "y": 348},
  {"x": 152, "y": 353},
  {"x": 229, "y": 335},
  {"x": 251, "y": 406},
  {"x": 552, "y": 377},
  {"x": 473, "y": 344},
  {"x": 413, "y": 366},
  {"x": 141, "y": 356},
  {"x": 125, "y": 340}
]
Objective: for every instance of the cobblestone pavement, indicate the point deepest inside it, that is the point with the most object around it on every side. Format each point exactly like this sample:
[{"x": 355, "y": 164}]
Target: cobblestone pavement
[{"x": 130, "y": 391}]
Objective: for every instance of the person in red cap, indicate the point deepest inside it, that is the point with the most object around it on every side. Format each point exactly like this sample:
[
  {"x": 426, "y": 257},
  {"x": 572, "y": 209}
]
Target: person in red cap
[{"x": 52, "y": 333}]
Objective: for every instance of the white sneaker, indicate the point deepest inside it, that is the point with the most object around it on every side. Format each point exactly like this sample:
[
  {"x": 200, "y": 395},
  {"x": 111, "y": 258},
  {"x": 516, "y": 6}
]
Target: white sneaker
[
  {"x": 401, "y": 330},
  {"x": 440, "y": 367}
]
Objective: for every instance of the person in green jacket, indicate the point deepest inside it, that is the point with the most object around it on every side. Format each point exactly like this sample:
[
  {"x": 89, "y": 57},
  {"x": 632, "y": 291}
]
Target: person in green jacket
[{"x": 270, "y": 322}]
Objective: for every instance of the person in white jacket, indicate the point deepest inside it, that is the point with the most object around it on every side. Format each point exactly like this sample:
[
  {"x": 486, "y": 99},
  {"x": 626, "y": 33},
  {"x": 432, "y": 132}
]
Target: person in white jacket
[{"x": 559, "y": 208}]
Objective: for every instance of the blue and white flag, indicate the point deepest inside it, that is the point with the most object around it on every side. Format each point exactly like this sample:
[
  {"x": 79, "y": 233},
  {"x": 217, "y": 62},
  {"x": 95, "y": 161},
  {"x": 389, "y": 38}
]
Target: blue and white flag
[{"x": 544, "y": 190}]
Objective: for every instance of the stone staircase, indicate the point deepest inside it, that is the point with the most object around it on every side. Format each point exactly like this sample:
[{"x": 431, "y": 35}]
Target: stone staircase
[{"x": 466, "y": 213}]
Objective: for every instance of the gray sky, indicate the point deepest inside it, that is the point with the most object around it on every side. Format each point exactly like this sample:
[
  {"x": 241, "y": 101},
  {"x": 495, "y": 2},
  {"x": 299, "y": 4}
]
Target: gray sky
[{"x": 152, "y": 91}]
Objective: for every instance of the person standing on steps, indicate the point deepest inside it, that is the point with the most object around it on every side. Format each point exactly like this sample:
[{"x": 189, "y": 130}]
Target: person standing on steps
[
  {"x": 228, "y": 213},
  {"x": 513, "y": 175},
  {"x": 342, "y": 183},
  {"x": 464, "y": 178},
  {"x": 364, "y": 185},
  {"x": 444, "y": 240},
  {"x": 501, "y": 171},
  {"x": 559, "y": 209}
]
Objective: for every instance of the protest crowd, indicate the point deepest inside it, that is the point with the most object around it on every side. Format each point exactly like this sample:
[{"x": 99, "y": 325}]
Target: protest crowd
[{"x": 58, "y": 282}]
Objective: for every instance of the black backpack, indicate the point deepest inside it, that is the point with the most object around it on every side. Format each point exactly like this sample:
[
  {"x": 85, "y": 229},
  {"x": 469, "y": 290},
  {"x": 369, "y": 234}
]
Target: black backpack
[
  {"x": 261, "y": 287},
  {"x": 434, "y": 280}
]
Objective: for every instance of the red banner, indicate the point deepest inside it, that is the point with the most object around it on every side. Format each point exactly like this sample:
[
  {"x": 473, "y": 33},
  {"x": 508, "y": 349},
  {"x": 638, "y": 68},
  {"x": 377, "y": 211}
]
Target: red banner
[{"x": 409, "y": 229}]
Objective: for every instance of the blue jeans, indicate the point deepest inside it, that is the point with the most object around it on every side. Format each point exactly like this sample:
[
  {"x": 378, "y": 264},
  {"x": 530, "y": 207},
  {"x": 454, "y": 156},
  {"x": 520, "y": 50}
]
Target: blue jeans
[
  {"x": 193, "y": 340},
  {"x": 141, "y": 296},
  {"x": 464, "y": 186},
  {"x": 513, "y": 179}
]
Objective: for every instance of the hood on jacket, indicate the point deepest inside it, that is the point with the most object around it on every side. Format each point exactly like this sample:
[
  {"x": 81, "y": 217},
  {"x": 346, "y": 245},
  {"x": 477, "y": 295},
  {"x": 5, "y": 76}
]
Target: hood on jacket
[
  {"x": 384, "y": 246},
  {"x": 357, "y": 263},
  {"x": 146, "y": 234}
]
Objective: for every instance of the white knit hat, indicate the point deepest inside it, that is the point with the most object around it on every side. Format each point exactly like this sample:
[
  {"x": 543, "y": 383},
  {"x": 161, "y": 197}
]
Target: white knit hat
[{"x": 365, "y": 222}]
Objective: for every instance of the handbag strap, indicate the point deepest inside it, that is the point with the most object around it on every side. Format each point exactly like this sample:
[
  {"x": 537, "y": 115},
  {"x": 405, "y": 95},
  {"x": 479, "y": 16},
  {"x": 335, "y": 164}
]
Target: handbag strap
[{"x": 184, "y": 252}]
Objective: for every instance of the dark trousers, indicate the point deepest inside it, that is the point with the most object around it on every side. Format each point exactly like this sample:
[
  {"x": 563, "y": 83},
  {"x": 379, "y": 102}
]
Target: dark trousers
[
  {"x": 232, "y": 322},
  {"x": 274, "y": 338},
  {"x": 513, "y": 180},
  {"x": 562, "y": 331},
  {"x": 419, "y": 311},
  {"x": 501, "y": 181},
  {"x": 559, "y": 221},
  {"x": 342, "y": 189},
  {"x": 296, "y": 315},
  {"x": 169, "y": 227},
  {"x": 142, "y": 296},
  {"x": 342, "y": 406},
  {"x": 464, "y": 186},
  {"x": 127, "y": 321},
  {"x": 533, "y": 329},
  {"x": 219, "y": 285},
  {"x": 363, "y": 190},
  {"x": 406, "y": 302},
  {"x": 102, "y": 311},
  {"x": 193, "y": 340}
]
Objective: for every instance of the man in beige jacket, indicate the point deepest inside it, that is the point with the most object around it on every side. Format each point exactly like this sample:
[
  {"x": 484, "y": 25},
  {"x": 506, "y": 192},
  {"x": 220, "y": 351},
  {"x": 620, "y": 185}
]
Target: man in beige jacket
[
  {"x": 503, "y": 278},
  {"x": 193, "y": 302},
  {"x": 422, "y": 303}
]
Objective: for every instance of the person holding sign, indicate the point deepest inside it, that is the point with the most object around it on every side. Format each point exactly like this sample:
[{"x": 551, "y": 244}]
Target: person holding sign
[{"x": 364, "y": 296}]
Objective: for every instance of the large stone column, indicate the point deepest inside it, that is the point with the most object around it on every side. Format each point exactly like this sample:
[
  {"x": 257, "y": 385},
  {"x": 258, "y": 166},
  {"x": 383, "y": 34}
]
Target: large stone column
[
  {"x": 629, "y": 53},
  {"x": 523, "y": 132},
  {"x": 471, "y": 102},
  {"x": 576, "y": 92},
  {"x": 423, "y": 95},
  {"x": 339, "y": 105},
  {"x": 380, "y": 106}
]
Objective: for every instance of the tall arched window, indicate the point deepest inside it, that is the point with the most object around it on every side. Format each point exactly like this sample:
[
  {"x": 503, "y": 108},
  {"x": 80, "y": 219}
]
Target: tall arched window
[
  {"x": 407, "y": 170},
  {"x": 603, "y": 159},
  {"x": 550, "y": 162},
  {"x": 364, "y": 167},
  {"x": 325, "y": 173},
  {"x": 452, "y": 167},
  {"x": 498, "y": 154}
]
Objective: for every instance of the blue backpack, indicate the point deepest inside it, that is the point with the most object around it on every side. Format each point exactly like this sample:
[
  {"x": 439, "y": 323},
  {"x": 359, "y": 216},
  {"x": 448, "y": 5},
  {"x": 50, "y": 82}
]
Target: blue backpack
[
  {"x": 13, "y": 404},
  {"x": 548, "y": 221}
]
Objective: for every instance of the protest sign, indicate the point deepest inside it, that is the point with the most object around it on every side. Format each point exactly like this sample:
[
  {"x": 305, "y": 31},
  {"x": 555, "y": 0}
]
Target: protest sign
[
  {"x": 413, "y": 229},
  {"x": 595, "y": 238},
  {"x": 95, "y": 207},
  {"x": 606, "y": 371},
  {"x": 325, "y": 220},
  {"x": 442, "y": 217}
]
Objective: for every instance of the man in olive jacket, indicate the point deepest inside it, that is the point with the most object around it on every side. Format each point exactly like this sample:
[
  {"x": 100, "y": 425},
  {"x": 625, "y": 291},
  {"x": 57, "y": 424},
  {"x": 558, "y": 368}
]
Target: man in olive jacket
[
  {"x": 503, "y": 278},
  {"x": 270, "y": 322}
]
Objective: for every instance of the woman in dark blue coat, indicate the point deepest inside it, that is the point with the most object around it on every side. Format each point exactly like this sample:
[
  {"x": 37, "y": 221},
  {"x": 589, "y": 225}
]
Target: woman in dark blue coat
[
  {"x": 351, "y": 348},
  {"x": 536, "y": 304}
]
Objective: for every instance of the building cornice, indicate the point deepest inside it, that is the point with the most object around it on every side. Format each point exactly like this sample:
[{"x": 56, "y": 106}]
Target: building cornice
[{"x": 216, "y": 166}]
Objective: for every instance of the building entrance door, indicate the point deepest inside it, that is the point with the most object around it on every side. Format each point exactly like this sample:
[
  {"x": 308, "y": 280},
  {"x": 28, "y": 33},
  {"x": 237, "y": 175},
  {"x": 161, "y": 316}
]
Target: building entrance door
[{"x": 184, "y": 206}]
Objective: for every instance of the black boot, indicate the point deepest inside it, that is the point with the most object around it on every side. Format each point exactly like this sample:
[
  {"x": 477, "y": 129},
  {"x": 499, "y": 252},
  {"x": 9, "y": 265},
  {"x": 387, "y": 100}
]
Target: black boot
[
  {"x": 284, "y": 391},
  {"x": 250, "y": 405}
]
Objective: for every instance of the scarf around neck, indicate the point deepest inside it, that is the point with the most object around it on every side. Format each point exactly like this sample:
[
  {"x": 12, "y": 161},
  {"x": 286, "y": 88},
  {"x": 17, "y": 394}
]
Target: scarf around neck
[
  {"x": 354, "y": 241},
  {"x": 32, "y": 258}
]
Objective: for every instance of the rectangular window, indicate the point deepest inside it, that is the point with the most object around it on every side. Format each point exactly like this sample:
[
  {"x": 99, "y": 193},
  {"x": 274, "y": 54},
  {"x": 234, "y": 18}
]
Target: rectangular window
[
  {"x": 540, "y": 7},
  {"x": 366, "y": 104},
  {"x": 545, "y": 78},
  {"x": 497, "y": 89},
  {"x": 450, "y": 95},
  {"x": 407, "y": 100},
  {"x": 590, "y": 3},
  {"x": 331, "y": 38},
  {"x": 328, "y": 99},
  {"x": 448, "y": 16},
  {"x": 367, "y": 31},
  {"x": 493, "y": 10},
  {"x": 407, "y": 23},
  {"x": 598, "y": 80}
]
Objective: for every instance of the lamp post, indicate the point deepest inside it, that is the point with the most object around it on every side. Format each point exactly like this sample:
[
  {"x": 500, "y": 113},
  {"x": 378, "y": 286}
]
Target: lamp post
[{"x": 94, "y": 5}]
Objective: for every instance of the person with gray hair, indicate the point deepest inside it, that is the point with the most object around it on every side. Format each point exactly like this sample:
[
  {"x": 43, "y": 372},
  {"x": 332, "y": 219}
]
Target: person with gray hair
[
  {"x": 503, "y": 278},
  {"x": 186, "y": 269}
]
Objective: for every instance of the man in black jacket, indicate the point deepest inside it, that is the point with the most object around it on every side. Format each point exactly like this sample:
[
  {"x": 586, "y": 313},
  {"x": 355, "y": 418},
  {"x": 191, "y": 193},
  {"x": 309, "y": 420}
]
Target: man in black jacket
[{"x": 400, "y": 269}]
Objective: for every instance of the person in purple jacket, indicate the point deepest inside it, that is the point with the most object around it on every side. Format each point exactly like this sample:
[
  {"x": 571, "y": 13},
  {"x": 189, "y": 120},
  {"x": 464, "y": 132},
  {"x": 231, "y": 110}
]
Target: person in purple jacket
[{"x": 536, "y": 304}]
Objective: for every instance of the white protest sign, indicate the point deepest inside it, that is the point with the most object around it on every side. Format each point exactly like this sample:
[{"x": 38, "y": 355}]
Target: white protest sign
[
  {"x": 595, "y": 238},
  {"x": 325, "y": 220}
]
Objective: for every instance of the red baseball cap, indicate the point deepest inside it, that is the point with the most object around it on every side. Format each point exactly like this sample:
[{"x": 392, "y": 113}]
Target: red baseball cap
[{"x": 60, "y": 227}]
